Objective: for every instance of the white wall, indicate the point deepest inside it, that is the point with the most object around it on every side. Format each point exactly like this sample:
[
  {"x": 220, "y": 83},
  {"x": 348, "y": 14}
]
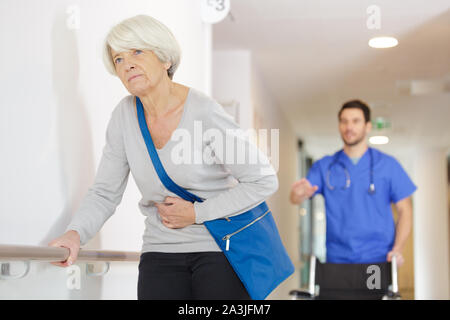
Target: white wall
[
  {"x": 431, "y": 226},
  {"x": 55, "y": 104},
  {"x": 235, "y": 77},
  {"x": 231, "y": 81}
]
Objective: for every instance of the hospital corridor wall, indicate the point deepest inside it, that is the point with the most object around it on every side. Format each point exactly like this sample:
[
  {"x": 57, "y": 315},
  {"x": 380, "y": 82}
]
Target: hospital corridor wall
[
  {"x": 431, "y": 225},
  {"x": 57, "y": 99}
]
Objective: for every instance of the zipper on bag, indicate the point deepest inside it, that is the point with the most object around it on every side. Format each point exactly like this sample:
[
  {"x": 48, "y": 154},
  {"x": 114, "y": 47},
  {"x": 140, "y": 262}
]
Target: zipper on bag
[{"x": 228, "y": 236}]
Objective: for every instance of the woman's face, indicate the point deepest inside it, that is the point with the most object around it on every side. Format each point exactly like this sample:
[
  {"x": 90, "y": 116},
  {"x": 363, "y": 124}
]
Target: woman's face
[{"x": 139, "y": 70}]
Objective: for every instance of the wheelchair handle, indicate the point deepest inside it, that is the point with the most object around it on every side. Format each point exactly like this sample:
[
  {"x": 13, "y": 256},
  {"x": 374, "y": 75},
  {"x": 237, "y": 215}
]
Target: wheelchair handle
[
  {"x": 394, "y": 274},
  {"x": 312, "y": 275}
]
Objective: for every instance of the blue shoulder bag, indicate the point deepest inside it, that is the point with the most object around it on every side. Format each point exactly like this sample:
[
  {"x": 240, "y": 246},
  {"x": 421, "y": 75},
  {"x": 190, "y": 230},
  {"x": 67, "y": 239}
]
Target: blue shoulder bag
[{"x": 250, "y": 240}]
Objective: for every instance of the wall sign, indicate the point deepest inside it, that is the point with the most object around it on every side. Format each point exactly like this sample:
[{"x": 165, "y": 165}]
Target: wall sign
[{"x": 214, "y": 11}]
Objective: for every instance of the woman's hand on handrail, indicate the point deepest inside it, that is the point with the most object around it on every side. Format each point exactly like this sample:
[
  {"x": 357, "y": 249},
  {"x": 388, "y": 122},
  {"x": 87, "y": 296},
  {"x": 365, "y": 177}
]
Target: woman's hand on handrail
[{"x": 69, "y": 240}]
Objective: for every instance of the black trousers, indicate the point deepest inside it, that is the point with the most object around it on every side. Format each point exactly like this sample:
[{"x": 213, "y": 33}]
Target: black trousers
[{"x": 188, "y": 276}]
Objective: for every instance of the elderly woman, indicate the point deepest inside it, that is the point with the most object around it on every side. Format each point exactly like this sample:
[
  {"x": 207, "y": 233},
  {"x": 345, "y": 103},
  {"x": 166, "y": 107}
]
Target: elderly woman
[{"x": 180, "y": 259}]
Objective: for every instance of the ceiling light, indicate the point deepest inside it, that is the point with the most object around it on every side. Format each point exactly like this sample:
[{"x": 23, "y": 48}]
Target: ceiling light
[
  {"x": 383, "y": 42},
  {"x": 379, "y": 140}
]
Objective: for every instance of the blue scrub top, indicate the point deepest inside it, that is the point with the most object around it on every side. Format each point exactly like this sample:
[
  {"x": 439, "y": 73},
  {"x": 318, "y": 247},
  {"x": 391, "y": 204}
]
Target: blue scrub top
[{"x": 360, "y": 226}]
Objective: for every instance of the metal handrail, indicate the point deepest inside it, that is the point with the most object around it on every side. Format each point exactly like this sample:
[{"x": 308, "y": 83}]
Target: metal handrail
[{"x": 55, "y": 254}]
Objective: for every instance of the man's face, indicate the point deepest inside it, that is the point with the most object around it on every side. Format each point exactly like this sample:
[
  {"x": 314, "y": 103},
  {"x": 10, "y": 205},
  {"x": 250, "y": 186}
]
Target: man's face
[{"x": 353, "y": 127}]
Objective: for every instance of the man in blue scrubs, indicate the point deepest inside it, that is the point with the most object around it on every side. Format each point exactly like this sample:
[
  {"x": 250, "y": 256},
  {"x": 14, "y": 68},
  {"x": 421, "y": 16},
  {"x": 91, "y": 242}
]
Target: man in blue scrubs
[{"x": 359, "y": 184}]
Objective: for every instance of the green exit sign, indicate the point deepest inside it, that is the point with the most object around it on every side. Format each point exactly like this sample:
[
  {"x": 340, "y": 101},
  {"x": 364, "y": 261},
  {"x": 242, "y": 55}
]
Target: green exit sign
[{"x": 380, "y": 123}]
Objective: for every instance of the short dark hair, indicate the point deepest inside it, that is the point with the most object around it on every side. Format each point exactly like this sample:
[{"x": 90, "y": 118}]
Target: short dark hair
[{"x": 356, "y": 104}]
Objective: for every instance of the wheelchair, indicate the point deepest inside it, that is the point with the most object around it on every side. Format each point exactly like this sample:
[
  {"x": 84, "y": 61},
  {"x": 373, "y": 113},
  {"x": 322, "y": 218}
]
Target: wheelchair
[{"x": 328, "y": 281}]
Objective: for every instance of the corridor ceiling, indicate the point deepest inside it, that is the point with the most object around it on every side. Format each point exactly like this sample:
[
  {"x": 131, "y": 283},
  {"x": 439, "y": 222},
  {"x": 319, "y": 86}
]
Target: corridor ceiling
[{"x": 312, "y": 56}]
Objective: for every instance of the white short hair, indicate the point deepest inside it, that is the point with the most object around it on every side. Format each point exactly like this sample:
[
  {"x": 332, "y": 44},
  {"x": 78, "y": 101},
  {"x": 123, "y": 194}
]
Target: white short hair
[{"x": 144, "y": 33}]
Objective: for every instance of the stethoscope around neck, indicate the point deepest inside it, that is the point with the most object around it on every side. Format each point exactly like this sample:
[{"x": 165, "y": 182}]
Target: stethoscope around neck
[{"x": 336, "y": 161}]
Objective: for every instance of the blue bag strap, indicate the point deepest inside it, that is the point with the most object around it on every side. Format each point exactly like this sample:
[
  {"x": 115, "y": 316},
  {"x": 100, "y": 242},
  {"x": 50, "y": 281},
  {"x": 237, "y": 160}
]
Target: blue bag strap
[{"x": 162, "y": 174}]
